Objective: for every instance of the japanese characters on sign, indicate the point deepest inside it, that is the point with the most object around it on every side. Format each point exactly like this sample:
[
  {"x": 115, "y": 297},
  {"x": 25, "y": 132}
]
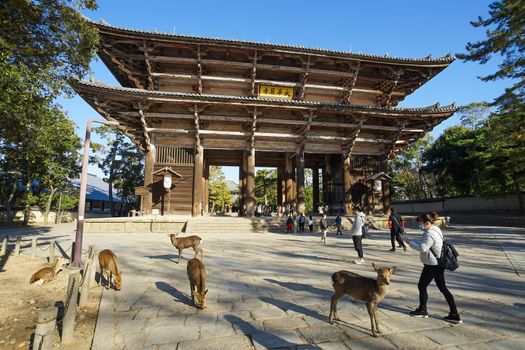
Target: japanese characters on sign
[{"x": 276, "y": 91}]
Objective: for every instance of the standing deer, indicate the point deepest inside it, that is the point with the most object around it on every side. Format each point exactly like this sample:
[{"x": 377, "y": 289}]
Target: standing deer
[
  {"x": 197, "y": 277},
  {"x": 47, "y": 274},
  {"x": 371, "y": 291},
  {"x": 186, "y": 242},
  {"x": 108, "y": 266}
]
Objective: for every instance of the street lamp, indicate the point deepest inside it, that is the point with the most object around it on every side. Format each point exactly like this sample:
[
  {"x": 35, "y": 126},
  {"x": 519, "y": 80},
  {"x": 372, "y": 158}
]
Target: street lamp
[{"x": 77, "y": 249}]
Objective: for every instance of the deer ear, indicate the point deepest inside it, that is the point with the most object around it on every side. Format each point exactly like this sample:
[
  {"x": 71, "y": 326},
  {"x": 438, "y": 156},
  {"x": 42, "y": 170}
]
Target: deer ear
[
  {"x": 206, "y": 291},
  {"x": 393, "y": 269},
  {"x": 375, "y": 268}
]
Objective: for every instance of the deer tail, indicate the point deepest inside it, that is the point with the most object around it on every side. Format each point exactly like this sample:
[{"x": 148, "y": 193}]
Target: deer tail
[{"x": 337, "y": 278}]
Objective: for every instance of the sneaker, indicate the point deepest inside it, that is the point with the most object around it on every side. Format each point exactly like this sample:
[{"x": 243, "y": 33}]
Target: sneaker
[
  {"x": 359, "y": 261},
  {"x": 453, "y": 318},
  {"x": 418, "y": 313},
  {"x": 393, "y": 249}
]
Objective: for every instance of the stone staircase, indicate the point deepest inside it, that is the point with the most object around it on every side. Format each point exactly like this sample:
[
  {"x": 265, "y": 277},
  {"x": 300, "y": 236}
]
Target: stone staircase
[{"x": 231, "y": 224}]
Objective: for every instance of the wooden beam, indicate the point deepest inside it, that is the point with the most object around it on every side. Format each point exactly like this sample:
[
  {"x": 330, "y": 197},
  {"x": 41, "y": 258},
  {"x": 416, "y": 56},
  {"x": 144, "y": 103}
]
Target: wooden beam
[
  {"x": 303, "y": 134},
  {"x": 149, "y": 69},
  {"x": 388, "y": 87},
  {"x": 349, "y": 83},
  {"x": 391, "y": 148},
  {"x": 145, "y": 129},
  {"x": 199, "y": 70},
  {"x": 253, "y": 130},
  {"x": 254, "y": 74},
  {"x": 124, "y": 69},
  {"x": 349, "y": 145},
  {"x": 304, "y": 79}
]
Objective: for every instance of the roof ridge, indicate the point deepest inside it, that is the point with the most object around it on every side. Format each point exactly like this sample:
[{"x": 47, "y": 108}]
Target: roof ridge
[
  {"x": 427, "y": 59},
  {"x": 96, "y": 83}
]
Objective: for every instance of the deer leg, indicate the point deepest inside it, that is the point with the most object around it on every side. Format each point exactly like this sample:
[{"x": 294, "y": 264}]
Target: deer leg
[
  {"x": 375, "y": 319},
  {"x": 180, "y": 255},
  {"x": 202, "y": 252},
  {"x": 192, "y": 288},
  {"x": 333, "y": 307},
  {"x": 109, "y": 280},
  {"x": 369, "y": 307}
]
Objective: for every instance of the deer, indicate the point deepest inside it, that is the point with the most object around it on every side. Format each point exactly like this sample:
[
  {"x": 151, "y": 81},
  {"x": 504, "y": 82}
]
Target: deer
[
  {"x": 47, "y": 274},
  {"x": 197, "y": 277},
  {"x": 371, "y": 291},
  {"x": 186, "y": 242},
  {"x": 108, "y": 266}
]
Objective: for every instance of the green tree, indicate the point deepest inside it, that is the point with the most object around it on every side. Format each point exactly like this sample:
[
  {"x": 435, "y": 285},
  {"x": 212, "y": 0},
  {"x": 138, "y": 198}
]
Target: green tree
[
  {"x": 506, "y": 39},
  {"x": 409, "y": 179},
  {"x": 122, "y": 164},
  {"x": 219, "y": 195},
  {"x": 266, "y": 186}
]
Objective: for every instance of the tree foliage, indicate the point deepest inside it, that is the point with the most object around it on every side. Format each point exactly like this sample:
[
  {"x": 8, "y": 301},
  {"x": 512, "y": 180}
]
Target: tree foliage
[
  {"x": 219, "y": 196},
  {"x": 122, "y": 164},
  {"x": 266, "y": 186},
  {"x": 505, "y": 38}
]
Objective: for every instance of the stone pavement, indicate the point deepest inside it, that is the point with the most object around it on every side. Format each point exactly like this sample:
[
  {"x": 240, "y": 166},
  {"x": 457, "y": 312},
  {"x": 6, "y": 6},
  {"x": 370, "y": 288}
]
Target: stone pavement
[{"x": 273, "y": 291}]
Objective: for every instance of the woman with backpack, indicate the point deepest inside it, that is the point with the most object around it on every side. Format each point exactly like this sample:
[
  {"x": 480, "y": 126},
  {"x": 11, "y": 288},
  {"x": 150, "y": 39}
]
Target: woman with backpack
[{"x": 430, "y": 249}]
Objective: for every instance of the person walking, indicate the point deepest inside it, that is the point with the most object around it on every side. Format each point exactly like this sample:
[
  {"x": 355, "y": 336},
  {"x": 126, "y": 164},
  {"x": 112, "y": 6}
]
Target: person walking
[
  {"x": 396, "y": 224},
  {"x": 357, "y": 234},
  {"x": 338, "y": 221},
  {"x": 323, "y": 226},
  {"x": 302, "y": 220},
  {"x": 311, "y": 223},
  {"x": 430, "y": 247},
  {"x": 295, "y": 224}
]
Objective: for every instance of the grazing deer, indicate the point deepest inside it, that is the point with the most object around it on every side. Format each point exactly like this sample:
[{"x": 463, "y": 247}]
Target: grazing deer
[
  {"x": 108, "y": 266},
  {"x": 47, "y": 274},
  {"x": 371, "y": 291},
  {"x": 197, "y": 277},
  {"x": 186, "y": 242}
]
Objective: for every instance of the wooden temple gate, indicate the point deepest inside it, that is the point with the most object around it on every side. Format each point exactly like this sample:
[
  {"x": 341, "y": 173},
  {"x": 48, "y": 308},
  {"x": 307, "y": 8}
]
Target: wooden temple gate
[{"x": 191, "y": 102}]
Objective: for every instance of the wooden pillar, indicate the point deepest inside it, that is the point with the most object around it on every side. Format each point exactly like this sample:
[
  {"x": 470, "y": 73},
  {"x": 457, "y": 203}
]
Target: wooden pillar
[
  {"x": 386, "y": 195},
  {"x": 347, "y": 184},
  {"x": 250, "y": 183},
  {"x": 299, "y": 165},
  {"x": 197, "y": 180},
  {"x": 288, "y": 176},
  {"x": 241, "y": 186},
  {"x": 328, "y": 181},
  {"x": 280, "y": 186},
  {"x": 206, "y": 188},
  {"x": 148, "y": 180},
  {"x": 315, "y": 188}
]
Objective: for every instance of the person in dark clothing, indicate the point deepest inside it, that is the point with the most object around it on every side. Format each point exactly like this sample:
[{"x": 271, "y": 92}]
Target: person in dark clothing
[
  {"x": 289, "y": 224},
  {"x": 302, "y": 220},
  {"x": 396, "y": 224},
  {"x": 311, "y": 223},
  {"x": 338, "y": 222}
]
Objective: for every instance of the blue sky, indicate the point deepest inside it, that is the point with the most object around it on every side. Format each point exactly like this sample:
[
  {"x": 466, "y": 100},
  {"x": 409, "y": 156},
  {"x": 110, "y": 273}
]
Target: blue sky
[{"x": 398, "y": 28}]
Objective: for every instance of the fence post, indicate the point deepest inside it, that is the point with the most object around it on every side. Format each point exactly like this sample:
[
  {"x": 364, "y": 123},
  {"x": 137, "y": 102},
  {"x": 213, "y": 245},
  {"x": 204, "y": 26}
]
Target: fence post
[
  {"x": 70, "y": 308},
  {"x": 33, "y": 247},
  {"x": 4, "y": 245},
  {"x": 17, "y": 245},
  {"x": 51, "y": 251},
  {"x": 45, "y": 328},
  {"x": 84, "y": 291}
]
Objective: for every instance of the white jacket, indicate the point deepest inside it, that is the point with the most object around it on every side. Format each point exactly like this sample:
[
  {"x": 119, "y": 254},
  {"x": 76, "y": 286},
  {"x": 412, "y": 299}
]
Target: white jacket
[
  {"x": 357, "y": 227},
  {"x": 432, "y": 239}
]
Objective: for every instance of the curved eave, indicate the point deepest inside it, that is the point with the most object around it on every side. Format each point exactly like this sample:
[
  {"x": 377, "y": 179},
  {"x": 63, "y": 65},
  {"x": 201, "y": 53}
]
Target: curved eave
[
  {"x": 82, "y": 86},
  {"x": 167, "y": 37}
]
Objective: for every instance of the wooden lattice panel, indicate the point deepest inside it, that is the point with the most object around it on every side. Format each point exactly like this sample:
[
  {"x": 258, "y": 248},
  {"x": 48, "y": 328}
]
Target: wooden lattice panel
[{"x": 174, "y": 155}]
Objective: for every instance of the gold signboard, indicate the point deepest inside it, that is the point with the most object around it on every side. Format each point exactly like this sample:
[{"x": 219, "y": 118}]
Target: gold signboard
[{"x": 276, "y": 91}]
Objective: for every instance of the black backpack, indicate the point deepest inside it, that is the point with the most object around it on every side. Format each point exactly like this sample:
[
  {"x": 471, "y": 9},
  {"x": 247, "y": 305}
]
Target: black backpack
[{"x": 449, "y": 256}]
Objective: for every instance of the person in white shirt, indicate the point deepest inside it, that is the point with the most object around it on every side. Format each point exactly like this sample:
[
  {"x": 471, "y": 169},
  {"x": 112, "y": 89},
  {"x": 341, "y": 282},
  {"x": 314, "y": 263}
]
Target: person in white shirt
[{"x": 357, "y": 233}]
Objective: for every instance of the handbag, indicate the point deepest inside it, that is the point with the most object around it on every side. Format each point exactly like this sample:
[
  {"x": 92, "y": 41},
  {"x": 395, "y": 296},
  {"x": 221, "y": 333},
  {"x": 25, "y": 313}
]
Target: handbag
[{"x": 449, "y": 256}]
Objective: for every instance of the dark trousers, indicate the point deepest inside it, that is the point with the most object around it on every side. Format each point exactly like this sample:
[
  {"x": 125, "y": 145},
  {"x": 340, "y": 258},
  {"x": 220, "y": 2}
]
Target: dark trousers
[
  {"x": 396, "y": 236},
  {"x": 429, "y": 273},
  {"x": 311, "y": 227},
  {"x": 358, "y": 245},
  {"x": 301, "y": 227},
  {"x": 339, "y": 230}
]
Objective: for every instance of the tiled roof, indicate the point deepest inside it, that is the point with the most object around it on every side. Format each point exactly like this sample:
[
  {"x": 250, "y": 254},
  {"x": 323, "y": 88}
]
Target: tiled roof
[
  {"x": 428, "y": 60},
  {"x": 314, "y": 104}
]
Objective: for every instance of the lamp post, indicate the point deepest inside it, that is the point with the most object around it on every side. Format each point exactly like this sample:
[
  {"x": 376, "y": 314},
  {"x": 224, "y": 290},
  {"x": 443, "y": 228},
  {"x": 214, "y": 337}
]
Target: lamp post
[
  {"x": 167, "y": 186},
  {"x": 77, "y": 253}
]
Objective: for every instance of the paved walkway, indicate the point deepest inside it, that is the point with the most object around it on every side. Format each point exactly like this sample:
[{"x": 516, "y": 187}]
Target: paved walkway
[{"x": 273, "y": 291}]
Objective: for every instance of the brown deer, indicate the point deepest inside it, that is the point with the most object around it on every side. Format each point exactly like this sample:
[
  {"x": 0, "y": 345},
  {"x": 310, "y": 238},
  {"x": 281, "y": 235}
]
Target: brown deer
[
  {"x": 197, "y": 277},
  {"x": 186, "y": 242},
  {"x": 47, "y": 274},
  {"x": 371, "y": 291},
  {"x": 108, "y": 266}
]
